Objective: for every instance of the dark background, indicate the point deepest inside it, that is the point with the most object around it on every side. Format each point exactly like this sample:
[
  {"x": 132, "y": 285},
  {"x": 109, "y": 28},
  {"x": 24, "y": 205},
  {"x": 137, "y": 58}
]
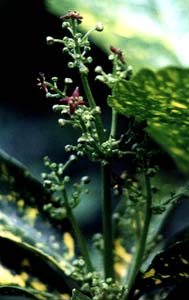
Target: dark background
[{"x": 28, "y": 127}]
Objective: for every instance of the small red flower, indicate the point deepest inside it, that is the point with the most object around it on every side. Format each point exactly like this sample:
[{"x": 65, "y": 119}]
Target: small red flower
[
  {"x": 119, "y": 54},
  {"x": 73, "y": 101},
  {"x": 41, "y": 82},
  {"x": 72, "y": 15}
]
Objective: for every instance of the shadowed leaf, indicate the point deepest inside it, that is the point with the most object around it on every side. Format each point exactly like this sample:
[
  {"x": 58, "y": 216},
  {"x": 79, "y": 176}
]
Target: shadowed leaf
[
  {"x": 24, "y": 223},
  {"x": 76, "y": 295},
  {"x": 168, "y": 268}
]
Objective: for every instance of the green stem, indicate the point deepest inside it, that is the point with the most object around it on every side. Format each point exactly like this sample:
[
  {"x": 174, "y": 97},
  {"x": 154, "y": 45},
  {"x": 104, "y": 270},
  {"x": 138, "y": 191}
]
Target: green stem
[
  {"x": 114, "y": 123},
  {"x": 78, "y": 234},
  {"x": 54, "y": 88},
  {"x": 92, "y": 104},
  {"x": 137, "y": 260},
  {"x": 107, "y": 221}
]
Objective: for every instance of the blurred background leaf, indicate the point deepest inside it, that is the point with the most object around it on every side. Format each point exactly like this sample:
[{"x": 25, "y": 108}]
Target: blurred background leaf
[
  {"x": 152, "y": 33},
  {"x": 26, "y": 231},
  {"x": 161, "y": 99}
]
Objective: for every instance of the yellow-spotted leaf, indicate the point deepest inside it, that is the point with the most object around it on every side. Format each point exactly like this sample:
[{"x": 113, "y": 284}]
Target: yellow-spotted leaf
[
  {"x": 151, "y": 33},
  {"x": 32, "y": 270},
  {"x": 162, "y": 99},
  {"x": 168, "y": 268},
  {"x": 24, "y": 222}
]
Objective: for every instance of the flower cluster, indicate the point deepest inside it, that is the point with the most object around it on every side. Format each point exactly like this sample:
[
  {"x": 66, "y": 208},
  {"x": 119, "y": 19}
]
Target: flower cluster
[
  {"x": 93, "y": 284},
  {"x": 73, "y": 101}
]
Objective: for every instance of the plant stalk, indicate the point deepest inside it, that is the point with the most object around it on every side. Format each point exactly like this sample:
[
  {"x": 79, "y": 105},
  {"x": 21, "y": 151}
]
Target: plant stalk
[
  {"x": 137, "y": 260},
  {"x": 78, "y": 234},
  {"x": 107, "y": 221},
  {"x": 114, "y": 123},
  {"x": 92, "y": 104}
]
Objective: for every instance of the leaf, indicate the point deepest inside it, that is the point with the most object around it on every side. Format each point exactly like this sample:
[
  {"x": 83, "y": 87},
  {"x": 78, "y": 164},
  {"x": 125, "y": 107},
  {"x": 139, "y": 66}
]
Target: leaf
[
  {"x": 76, "y": 295},
  {"x": 32, "y": 271},
  {"x": 162, "y": 99},
  {"x": 22, "y": 216},
  {"x": 13, "y": 292},
  {"x": 24, "y": 223},
  {"x": 181, "y": 289},
  {"x": 168, "y": 268},
  {"x": 151, "y": 33}
]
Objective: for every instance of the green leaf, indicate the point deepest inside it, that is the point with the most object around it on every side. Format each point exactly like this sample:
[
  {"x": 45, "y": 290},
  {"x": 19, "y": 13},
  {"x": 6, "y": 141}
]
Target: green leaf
[
  {"x": 162, "y": 99},
  {"x": 13, "y": 292},
  {"x": 24, "y": 223},
  {"x": 151, "y": 33},
  {"x": 22, "y": 198},
  {"x": 76, "y": 295},
  {"x": 168, "y": 268},
  {"x": 32, "y": 270}
]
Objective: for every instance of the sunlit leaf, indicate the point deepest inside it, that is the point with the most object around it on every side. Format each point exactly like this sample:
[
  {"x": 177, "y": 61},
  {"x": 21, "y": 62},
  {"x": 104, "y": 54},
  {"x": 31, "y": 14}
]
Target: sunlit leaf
[
  {"x": 162, "y": 99},
  {"x": 152, "y": 33}
]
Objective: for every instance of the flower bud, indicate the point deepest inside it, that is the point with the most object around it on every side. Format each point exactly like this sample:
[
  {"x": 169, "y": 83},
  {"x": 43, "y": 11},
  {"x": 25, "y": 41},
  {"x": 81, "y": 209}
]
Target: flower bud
[
  {"x": 68, "y": 80},
  {"x": 85, "y": 179},
  {"x": 62, "y": 122},
  {"x": 98, "y": 69},
  {"x": 99, "y": 26},
  {"x": 89, "y": 60},
  {"x": 71, "y": 65},
  {"x": 54, "y": 79},
  {"x": 73, "y": 157},
  {"x": 50, "y": 40}
]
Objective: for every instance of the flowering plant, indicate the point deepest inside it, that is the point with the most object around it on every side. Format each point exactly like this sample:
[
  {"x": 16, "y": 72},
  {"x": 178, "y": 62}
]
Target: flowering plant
[{"x": 124, "y": 261}]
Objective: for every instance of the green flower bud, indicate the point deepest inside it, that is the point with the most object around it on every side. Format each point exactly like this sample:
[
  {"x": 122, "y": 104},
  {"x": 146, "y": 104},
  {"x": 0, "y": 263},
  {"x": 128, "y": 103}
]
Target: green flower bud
[
  {"x": 73, "y": 157},
  {"x": 99, "y": 27},
  {"x": 65, "y": 50},
  {"x": 66, "y": 179},
  {"x": 68, "y": 80},
  {"x": 47, "y": 207},
  {"x": 89, "y": 60},
  {"x": 65, "y": 24},
  {"x": 50, "y": 40},
  {"x": 47, "y": 183},
  {"x": 85, "y": 179},
  {"x": 54, "y": 79},
  {"x": 62, "y": 122},
  {"x": 83, "y": 69},
  {"x": 71, "y": 65},
  {"x": 98, "y": 69}
]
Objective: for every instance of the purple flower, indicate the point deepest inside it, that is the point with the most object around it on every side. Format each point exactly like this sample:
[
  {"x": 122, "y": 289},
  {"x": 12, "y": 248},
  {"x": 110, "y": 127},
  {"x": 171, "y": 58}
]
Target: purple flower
[
  {"x": 41, "y": 82},
  {"x": 72, "y": 15},
  {"x": 73, "y": 101},
  {"x": 119, "y": 54}
]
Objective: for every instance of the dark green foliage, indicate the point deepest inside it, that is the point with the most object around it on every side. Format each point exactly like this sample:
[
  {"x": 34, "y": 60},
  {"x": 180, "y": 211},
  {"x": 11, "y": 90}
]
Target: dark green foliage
[
  {"x": 169, "y": 268},
  {"x": 76, "y": 295}
]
